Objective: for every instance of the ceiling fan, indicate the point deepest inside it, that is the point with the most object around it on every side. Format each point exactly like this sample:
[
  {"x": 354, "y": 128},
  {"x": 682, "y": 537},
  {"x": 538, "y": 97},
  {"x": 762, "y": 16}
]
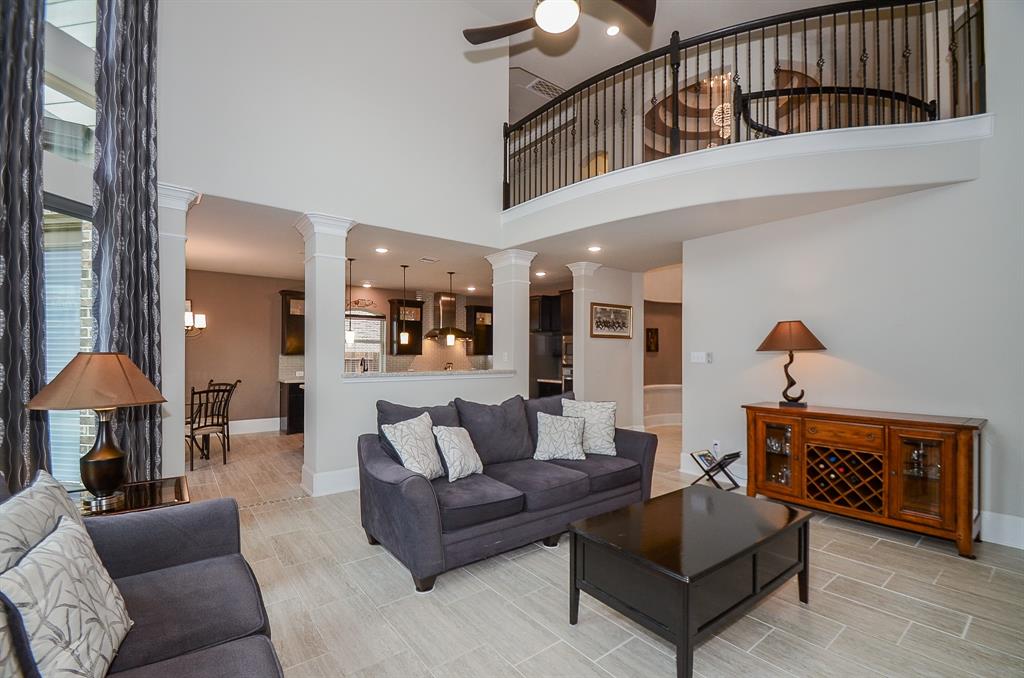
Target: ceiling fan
[{"x": 554, "y": 16}]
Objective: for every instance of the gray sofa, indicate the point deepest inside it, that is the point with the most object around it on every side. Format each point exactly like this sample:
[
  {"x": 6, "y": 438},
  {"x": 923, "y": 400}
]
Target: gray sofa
[
  {"x": 435, "y": 526},
  {"x": 195, "y": 601}
]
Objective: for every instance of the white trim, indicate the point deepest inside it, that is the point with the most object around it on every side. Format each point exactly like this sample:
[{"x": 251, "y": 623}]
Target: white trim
[
  {"x": 510, "y": 258},
  {"x": 329, "y": 482},
  {"x": 1002, "y": 528},
  {"x": 583, "y": 268},
  {"x": 317, "y": 223},
  {"x": 172, "y": 196},
  {"x": 265, "y": 425},
  {"x": 664, "y": 419}
]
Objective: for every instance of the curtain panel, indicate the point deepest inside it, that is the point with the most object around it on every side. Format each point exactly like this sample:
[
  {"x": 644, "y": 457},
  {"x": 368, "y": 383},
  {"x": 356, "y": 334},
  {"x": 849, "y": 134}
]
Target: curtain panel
[
  {"x": 24, "y": 445},
  {"x": 126, "y": 266}
]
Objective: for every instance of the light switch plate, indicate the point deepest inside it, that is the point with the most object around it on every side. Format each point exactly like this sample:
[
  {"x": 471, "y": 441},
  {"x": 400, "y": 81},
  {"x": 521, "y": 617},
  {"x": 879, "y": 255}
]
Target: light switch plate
[{"x": 700, "y": 357}]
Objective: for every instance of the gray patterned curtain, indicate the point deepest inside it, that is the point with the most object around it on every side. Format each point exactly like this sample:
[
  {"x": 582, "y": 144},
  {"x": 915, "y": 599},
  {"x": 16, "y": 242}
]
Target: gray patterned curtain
[
  {"x": 24, "y": 444},
  {"x": 126, "y": 268}
]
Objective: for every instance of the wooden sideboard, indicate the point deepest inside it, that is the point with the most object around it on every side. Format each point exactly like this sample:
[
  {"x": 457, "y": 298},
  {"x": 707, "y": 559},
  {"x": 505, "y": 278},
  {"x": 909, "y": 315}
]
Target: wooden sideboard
[{"x": 911, "y": 471}]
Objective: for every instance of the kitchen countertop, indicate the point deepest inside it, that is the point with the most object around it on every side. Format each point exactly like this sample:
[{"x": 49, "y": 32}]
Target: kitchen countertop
[
  {"x": 549, "y": 381},
  {"x": 292, "y": 380},
  {"x": 430, "y": 374}
]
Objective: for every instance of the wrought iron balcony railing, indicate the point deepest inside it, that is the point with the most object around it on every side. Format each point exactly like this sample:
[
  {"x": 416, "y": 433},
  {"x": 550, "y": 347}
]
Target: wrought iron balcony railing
[{"x": 853, "y": 64}]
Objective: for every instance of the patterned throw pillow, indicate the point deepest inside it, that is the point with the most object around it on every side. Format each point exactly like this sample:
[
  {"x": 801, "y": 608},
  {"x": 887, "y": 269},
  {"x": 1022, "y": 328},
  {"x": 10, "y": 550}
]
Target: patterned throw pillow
[
  {"x": 458, "y": 451},
  {"x": 414, "y": 442},
  {"x": 598, "y": 427},
  {"x": 559, "y": 437},
  {"x": 30, "y": 515},
  {"x": 72, "y": 614}
]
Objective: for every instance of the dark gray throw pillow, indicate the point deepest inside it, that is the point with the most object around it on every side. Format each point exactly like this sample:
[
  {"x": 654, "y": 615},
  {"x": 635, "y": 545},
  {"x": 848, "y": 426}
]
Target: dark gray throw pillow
[
  {"x": 499, "y": 432},
  {"x": 548, "y": 405},
  {"x": 392, "y": 413}
]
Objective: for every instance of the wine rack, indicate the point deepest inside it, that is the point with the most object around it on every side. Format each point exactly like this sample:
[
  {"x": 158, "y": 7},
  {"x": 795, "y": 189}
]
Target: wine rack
[{"x": 848, "y": 478}]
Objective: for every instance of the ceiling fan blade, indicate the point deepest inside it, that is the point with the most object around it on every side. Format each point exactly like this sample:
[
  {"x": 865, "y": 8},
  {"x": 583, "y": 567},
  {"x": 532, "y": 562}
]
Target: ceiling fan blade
[
  {"x": 479, "y": 36},
  {"x": 643, "y": 9}
]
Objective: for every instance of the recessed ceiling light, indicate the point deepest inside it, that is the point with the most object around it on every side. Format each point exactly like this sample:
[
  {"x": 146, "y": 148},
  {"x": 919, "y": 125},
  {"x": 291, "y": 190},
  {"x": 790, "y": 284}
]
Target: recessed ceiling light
[
  {"x": 471, "y": 289},
  {"x": 367, "y": 283},
  {"x": 594, "y": 248},
  {"x": 612, "y": 30},
  {"x": 540, "y": 274},
  {"x": 381, "y": 250}
]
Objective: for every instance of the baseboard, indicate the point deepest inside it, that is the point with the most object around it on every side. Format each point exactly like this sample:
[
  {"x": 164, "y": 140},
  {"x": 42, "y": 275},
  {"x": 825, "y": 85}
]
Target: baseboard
[
  {"x": 668, "y": 419},
  {"x": 267, "y": 425},
  {"x": 330, "y": 482},
  {"x": 1002, "y": 528}
]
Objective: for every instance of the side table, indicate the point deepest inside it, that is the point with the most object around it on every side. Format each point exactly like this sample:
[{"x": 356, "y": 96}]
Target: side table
[{"x": 140, "y": 496}]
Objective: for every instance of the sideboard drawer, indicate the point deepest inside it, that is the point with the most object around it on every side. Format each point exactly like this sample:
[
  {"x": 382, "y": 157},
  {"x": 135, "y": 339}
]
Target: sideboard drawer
[{"x": 850, "y": 436}]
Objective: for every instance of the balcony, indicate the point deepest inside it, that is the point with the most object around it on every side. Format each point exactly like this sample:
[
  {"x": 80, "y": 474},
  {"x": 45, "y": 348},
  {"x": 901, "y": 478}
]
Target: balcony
[{"x": 891, "y": 67}]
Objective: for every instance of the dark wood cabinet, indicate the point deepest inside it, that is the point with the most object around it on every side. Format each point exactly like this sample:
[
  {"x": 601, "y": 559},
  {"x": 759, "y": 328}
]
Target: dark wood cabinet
[
  {"x": 565, "y": 305},
  {"x": 480, "y": 325},
  {"x": 407, "y": 313},
  {"x": 293, "y": 398},
  {"x": 545, "y": 313},
  {"x": 293, "y": 322},
  {"x": 913, "y": 472}
]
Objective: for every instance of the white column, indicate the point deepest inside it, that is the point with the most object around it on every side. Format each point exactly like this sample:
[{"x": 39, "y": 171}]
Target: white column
[
  {"x": 329, "y": 459},
  {"x": 512, "y": 314},
  {"x": 173, "y": 203},
  {"x": 582, "y": 291},
  {"x": 638, "y": 346}
]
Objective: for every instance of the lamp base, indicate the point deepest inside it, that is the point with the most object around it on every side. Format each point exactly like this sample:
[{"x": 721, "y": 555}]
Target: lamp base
[
  {"x": 111, "y": 502},
  {"x": 103, "y": 466},
  {"x": 786, "y": 403}
]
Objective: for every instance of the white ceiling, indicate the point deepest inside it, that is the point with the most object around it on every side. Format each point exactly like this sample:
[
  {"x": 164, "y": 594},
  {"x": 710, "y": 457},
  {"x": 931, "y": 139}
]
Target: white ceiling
[{"x": 585, "y": 50}]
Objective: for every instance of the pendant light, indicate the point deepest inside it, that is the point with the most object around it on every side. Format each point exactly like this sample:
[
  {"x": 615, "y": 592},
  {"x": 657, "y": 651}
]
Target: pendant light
[
  {"x": 449, "y": 332},
  {"x": 350, "y": 334},
  {"x": 403, "y": 336}
]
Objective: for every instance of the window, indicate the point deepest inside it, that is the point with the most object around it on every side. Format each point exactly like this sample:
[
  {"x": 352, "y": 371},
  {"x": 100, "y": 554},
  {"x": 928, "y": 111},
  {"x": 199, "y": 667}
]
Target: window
[
  {"x": 366, "y": 354},
  {"x": 67, "y": 273}
]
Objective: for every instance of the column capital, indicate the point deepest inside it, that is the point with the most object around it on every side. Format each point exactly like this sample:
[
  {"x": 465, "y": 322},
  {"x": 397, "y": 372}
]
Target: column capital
[
  {"x": 175, "y": 197},
  {"x": 510, "y": 258},
  {"x": 317, "y": 223},
  {"x": 583, "y": 268}
]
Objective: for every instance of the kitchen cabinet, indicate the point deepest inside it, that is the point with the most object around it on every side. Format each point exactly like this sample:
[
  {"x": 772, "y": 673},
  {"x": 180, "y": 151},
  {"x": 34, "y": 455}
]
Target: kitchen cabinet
[
  {"x": 480, "y": 325},
  {"x": 545, "y": 313},
  {"x": 293, "y": 398},
  {"x": 411, "y": 312},
  {"x": 565, "y": 306},
  {"x": 293, "y": 322}
]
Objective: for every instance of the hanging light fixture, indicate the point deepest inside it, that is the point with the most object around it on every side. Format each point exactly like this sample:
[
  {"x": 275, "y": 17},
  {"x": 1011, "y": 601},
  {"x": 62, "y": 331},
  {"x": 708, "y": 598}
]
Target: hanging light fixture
[
  {"x": 350, "y": 334},
  {"x": 556, "y": 16},
  {"x": 403, "y": 336},
  {"x": 449, "y": 332}
]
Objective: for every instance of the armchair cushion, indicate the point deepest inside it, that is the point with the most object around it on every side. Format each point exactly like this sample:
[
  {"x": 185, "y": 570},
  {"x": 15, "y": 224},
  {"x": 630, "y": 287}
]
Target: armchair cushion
[
  {"x": 548, "y": 405},
  {"x": 189, "y": 607},
  {"x": 543, "y": 483},
  {"x": 605, "y": 472},
  {"x": 499, "y": 432},
  {"x": 475, "y": 499},
  {"x": 251, "y": 657},
  {"x": 32, "y": 514}
]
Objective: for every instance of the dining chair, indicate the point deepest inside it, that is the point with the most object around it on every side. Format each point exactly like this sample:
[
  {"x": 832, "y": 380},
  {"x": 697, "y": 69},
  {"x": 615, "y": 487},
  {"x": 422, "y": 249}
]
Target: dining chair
[
  {"x": 207, "y": 415},
  {"x": 230, "y": 388}
]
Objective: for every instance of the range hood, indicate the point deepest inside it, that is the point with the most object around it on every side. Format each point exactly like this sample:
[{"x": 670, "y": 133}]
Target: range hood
[{"x": 448, "y": 333}]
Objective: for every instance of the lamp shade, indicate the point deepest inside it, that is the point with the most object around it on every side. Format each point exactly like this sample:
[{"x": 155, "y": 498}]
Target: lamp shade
[
  {"x": 97, "y": 381},
  {"x": 791, "y": 335}
]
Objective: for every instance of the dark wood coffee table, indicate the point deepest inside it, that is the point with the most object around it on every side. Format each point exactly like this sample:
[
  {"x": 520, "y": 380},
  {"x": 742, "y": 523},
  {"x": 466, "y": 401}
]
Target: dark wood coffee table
[{"x": 687, "y": 563}]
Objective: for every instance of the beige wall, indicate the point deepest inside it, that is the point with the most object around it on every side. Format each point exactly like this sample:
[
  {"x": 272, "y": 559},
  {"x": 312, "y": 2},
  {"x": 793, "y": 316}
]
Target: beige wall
[
  {"x": 665, "y": 366},
  {"x": 242, "y": 341}
]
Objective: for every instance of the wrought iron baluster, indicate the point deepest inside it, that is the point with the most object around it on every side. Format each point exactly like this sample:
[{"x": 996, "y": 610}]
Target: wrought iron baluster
[
  {"x": 674, "y": 58},
  {"x": 921, "y": 50},
  {"x": 864, "y": 65},
  {"x": 807, "y": 101},
  {"x": 849, "y": 68},
  {"x": 938, "y": 67},
  {"x": 820, "y": 63},
  {"x": 878, "y": 66},
  {"x": 954, "y": 70},
  {"x": 970, "y": 58},
  {"x": 750, "y": 84},
  {"x": 789, "y": 82}
]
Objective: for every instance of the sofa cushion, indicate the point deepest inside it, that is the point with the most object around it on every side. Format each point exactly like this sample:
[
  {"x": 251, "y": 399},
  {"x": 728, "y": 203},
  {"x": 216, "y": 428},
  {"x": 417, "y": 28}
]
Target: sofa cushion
[
  {"x": 473, "y": 500},
  {"x": 543, "y": 483},
  {"x": 558, "y": 437},
  {"x": 548, "y": 405},
  {"x": 499, "y": 432},
  {"x": 250, "y": 657},
  {"x": 32, "y": 514},
  {"x": 605, "y": 472},
  {"x": 391, "y": 413},
  {"x": 413, "y": 440},
  {"x": 189, "y": 607},
  {"x": 599, "y": 430},
  {"x": 458, "y": 452}
]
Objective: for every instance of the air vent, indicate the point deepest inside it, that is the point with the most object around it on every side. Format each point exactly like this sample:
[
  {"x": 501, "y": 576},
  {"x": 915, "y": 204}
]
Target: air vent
[
  {"x": 548, "y": 90},
  {"x": 429, "y": 260}
]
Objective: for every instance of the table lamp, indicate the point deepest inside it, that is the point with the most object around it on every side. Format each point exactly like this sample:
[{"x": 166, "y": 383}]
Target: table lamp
[
  {"x": 101, "y": 382},
  {"x": 791, "y": 335}
]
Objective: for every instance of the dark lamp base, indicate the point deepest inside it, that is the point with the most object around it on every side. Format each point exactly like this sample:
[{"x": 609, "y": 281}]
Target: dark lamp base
[
  {"x": 103, "y": 466},
  {"x": 786, "y": 403},
  {"x": 111, "y": 502}
]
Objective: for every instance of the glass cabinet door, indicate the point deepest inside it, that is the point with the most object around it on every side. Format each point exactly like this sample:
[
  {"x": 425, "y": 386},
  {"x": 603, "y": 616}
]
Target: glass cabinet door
[
  {"x": 921, "y": 471},
  {"x": 779, "y": 448}
]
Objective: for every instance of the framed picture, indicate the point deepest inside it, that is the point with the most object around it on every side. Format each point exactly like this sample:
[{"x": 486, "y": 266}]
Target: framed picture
[
  {"x": 651, "y": 334},
  {"x": 705, "y": 458},
  {"x": 611, "y": 321}
]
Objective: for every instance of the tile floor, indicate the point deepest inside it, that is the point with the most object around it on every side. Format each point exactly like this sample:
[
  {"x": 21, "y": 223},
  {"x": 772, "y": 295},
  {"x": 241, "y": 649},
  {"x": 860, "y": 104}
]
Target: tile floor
[{"x": 884, "y": 602}]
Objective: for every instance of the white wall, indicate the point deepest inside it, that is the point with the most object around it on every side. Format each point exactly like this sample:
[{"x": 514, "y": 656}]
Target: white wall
[
  {"x": 919, "y": 299},
  {"x": 664, "y": 284},
  {"x": 376, "y": 111},
  {"x": 612, "y": 369}
]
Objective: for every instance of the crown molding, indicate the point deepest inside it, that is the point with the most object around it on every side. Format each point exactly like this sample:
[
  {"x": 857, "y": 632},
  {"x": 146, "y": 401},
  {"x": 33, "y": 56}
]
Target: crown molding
[
  {"x": 175, "y": 197},
  {"x": 583, "y": 268},
  {"x": 317, "y": 223},
  {"x": 510, "y": 258}
]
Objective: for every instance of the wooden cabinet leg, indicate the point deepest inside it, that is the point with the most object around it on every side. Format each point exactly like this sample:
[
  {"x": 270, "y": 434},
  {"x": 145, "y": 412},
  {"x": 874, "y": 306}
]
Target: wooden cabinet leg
[
  {"x": 684, "y": 661},
  {"x": 424, "y": 584},
  {"x": 370, "y": 539},
  {"x": 552, "y": 541}
]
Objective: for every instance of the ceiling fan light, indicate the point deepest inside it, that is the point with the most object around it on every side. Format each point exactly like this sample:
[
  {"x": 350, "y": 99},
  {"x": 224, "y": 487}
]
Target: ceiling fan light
[{"x": 556, "y": 16}]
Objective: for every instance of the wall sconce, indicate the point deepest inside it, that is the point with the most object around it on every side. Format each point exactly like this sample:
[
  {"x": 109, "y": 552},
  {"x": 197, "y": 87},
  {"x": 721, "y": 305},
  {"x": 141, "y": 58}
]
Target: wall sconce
[{"x": 195, "y": 323}]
